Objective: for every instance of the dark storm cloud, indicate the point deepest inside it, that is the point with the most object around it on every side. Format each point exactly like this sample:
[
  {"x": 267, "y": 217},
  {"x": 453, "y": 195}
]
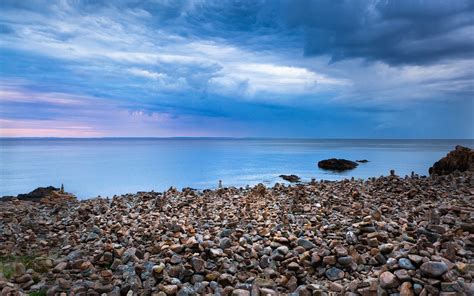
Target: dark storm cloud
[{"x": 395, "y": 32}]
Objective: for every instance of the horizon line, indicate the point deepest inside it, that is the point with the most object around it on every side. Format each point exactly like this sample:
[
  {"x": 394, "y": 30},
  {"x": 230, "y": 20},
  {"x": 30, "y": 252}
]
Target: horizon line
[{"x": 229, "y": 138}]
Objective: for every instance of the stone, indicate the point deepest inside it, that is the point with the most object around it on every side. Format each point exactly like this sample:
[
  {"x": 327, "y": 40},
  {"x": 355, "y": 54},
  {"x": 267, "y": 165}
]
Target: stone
[
  {"x": 329, "y": 260},
  {"x": 225, "y": 243},
  {"x": 335, "y": 287},
  {"x": 305, "y": 244},
  {"x": 60, "y": 267},
  {"x": 345, "y": 261},
  {"x": 334, "y": 274},
  {"x": 451, "y": 287},
  {"x": 406, "y": 264},
  {"x": 198, "y": 264},
  {"x": 170, "y": 289},
  {"x": 157, "y": 269},
  {"x": 340, "y": 251},
  {"x": 351, "y": 238},
  {"x": 216, "y": 252},
  {"x": 293, "y": 266},
  {"x": 406, "y": 289},
  {"x": 240, "y": 292},
  {"x": 176, "y": 259},
  {"x": 434, "y": 269},
  {"x": 283, "y": 250},
  {"x": 64, "y": 284},
  {"x": 386, "y": 248},
  {"x": 388, "y": 280},
  {"x": 266, "y": 291},
  {"x": 402, "y": 275},
  {"x": 103, "y": 288}
]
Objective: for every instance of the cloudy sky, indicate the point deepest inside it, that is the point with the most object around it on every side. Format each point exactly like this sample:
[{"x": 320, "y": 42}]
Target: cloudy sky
[{"x": 322, "y": 69}]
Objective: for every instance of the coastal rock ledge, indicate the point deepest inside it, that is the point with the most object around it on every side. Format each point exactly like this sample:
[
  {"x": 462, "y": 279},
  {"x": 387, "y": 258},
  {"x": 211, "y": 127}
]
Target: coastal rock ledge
[
  {"x": 380, "y": 236},
  {"x": 460, "y": 159}
]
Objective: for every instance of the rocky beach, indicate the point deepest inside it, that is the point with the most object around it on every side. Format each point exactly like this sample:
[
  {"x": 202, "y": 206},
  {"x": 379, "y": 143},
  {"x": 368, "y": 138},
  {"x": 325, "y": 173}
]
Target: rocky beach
[{"x": 391, "y": 235}]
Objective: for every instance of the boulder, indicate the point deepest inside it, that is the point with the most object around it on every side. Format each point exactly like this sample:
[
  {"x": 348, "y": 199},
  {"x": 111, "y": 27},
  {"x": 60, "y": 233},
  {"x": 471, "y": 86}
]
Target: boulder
[
  {"x": 362, "y": 161},
  {"x": 337, "y": 164},
  {"x": 290, "y": 178},
  {"x": 460, "y": 159}
]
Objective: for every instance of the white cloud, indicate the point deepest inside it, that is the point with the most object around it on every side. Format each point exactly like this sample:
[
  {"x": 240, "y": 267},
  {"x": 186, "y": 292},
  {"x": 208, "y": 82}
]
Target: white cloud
[
  {"x": 147, "y": 74},
  {"x": 177, "y": 60}
]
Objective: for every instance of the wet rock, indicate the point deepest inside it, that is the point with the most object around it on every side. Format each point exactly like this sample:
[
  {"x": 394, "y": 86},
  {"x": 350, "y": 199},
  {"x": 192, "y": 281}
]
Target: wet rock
[
  {"x": 290, "y": 178},
  {"x": 337, "y": 164}
]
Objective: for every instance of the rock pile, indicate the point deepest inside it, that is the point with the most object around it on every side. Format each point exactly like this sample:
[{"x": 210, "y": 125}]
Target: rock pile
[{"x": 382, "y": 236}]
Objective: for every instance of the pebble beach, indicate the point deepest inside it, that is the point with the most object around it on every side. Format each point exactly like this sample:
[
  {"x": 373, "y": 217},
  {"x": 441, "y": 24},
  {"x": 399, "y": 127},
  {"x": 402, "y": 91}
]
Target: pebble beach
[{"x": 390, "y": 235}]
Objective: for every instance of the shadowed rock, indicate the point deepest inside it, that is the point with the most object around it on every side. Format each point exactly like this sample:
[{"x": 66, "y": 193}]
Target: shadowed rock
[
  {"x": 290, "y": 178},
  {"x": 460, "y": 159},
  {"x": 48, "y": 194},
  {"x": 335, "y": 164}
]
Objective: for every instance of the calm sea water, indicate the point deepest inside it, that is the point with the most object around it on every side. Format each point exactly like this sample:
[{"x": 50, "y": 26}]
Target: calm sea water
[{"x": 92, "y": 167}]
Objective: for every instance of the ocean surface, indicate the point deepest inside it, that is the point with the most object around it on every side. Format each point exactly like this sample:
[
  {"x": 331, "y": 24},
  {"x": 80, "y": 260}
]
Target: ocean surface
[{"x": 105, "y": 167}]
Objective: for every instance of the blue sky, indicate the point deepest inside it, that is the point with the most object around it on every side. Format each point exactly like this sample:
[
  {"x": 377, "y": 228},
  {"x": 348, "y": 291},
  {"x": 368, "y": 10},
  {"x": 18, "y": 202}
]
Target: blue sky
[{"x": 319, "y": 69}]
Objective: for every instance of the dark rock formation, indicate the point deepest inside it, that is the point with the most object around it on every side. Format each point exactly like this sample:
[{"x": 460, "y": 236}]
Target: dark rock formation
[
  {"x": 48, "y": 194},
  {"x": 337, "y": 164},
  {"x": 460, "y": 159},
  {"x": 290, "y": 178},
  {"x": 38, "y": 193},
  {"x": 362, "y": 161}
]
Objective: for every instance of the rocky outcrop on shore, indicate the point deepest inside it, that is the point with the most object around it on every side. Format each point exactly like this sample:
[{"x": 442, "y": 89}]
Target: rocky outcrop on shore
[
  {"x": 336, "y": 164},
  {"x": 47, "y": 195},
  {"x": 460, "y": 159},
  {"x": 383, "y": 236}
]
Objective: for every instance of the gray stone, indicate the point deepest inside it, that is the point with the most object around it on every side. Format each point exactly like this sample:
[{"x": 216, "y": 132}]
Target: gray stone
[{"x": 434, "y": 269}]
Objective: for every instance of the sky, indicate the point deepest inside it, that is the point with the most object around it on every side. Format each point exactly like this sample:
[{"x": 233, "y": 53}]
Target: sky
[{"x": 299, "y": 68}]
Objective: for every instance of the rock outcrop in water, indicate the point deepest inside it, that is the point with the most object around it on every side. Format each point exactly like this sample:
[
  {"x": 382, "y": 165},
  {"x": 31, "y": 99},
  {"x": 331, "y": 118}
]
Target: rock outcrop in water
[
  {"x": 383, "y": 236},
  {"x": 460, "y": 159},
  {"x": 290, "y": 178},
  {"x": 335, "y": 164}
]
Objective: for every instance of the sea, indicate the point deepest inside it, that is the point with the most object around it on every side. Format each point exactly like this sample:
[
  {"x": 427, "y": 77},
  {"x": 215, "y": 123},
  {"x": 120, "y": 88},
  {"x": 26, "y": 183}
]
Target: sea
[{"x": 106, "y": 167}]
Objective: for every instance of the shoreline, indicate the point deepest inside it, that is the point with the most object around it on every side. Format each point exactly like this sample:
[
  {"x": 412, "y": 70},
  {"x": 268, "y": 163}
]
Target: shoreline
[{"x": 412, "y": 236}]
